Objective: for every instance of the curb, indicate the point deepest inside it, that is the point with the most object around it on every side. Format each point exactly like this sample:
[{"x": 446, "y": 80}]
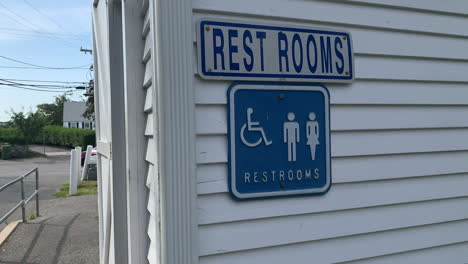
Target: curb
[
  {"x": 8, "y": 230},
  {"x": 54, "y": 154}
]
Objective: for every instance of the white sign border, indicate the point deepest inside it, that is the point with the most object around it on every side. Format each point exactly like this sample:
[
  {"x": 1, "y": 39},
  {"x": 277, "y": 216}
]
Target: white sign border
[{"x": 232, "y": 133}]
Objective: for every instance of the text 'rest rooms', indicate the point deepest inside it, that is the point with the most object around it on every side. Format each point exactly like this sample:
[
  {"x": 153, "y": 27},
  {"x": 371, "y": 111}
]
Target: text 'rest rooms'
[{"x": 269, "y": 51}]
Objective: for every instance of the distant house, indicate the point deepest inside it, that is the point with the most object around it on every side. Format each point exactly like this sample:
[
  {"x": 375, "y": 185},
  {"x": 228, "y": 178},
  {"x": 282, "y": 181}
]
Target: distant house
[{"x": 73, "y": 116}]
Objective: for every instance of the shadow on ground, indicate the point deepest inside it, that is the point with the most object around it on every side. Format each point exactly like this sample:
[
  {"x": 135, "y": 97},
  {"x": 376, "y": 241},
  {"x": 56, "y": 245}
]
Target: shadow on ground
[{"x": 66, "y": 233}]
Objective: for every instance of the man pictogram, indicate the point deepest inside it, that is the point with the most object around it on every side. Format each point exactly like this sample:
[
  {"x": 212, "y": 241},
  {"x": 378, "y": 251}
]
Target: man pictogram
[{"x": 291, "y": 136}]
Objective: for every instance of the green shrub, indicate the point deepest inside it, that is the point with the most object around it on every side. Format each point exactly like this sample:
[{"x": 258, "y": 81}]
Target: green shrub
[
  {"x": 52, "y": 135},
  {"x": 6, "y": 151},
  {"x": 11, "y": 135},
  {"x": 67, "y": 137}
]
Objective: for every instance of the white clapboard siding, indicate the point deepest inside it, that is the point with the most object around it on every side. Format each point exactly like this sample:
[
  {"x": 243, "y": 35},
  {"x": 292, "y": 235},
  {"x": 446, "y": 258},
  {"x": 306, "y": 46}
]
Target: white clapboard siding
[
  {"x": 213, "y": 119},
  {"x": 343, "y": 14},
  {"x": 351, "y": 247},
  {"x": 213, "y": 149},
  {"x": 365, "y": 92},
  {"x": 371, "y": 41},
  {"x": 396, "y": 68},
  {"x": 455, "y": 6},
  {"x": 243, "y": 235},
  {"x": 375, "y": 67},
  {"x": 212, "y": 178},
  {"x": 399, "y": 143},
  {"x": 456, "y": 253},
  {"x": 217, "y": 208}
]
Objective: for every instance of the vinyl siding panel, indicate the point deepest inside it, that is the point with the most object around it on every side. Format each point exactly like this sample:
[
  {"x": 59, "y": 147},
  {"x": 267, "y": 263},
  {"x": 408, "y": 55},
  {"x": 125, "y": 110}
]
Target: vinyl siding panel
[
  {"x": 213, "y": 119},
  {"x": 244, "y": 235},
  {"x": 399, "y": 143},
  {"x": 341, "y": 14},
  {"x": 212, "y": 177},
  {"x": 436, "y": 255},
  {"x": 362, "y": 92},
  {"x": 352, "y": 247},
  {"x": 455, "y": 6},
  {"x": 213, "y": 149}
]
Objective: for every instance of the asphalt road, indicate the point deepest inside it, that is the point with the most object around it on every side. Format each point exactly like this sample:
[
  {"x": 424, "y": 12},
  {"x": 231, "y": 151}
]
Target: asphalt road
[{"x": 53, "y": 172}]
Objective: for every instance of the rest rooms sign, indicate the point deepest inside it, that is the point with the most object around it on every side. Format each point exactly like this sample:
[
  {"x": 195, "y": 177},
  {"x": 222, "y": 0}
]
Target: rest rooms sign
[
  {"x": 279, "y": 140},
  {"x": 238, "y": 51}
]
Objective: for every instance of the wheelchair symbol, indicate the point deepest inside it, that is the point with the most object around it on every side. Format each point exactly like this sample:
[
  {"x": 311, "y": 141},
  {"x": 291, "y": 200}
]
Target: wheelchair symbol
[{"x": 253, "y": 127}]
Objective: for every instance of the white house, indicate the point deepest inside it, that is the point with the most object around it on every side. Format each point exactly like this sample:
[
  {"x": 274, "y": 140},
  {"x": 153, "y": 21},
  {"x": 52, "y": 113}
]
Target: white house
[
  {"x": 73, "y": 116},
  {"x": 399, "y": 132}
]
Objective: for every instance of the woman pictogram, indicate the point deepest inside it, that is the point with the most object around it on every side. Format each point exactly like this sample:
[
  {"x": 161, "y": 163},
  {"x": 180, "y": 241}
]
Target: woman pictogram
[{"x": 312, "y": 133}]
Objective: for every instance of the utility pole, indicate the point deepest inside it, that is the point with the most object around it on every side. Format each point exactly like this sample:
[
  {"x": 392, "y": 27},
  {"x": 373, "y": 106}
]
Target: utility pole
[{"x": 86, "y": 50}]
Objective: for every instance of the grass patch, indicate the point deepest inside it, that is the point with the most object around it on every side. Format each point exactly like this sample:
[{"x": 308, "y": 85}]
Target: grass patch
[
  {"x": 85, "y": 188},
  {"x": 32, "y": 217}
]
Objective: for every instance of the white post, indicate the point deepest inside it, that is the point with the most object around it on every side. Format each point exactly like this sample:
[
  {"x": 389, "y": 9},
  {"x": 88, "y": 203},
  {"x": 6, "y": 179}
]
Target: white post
[
  {"x": 78, "y": 166},
  {"x": 73, "y": 172},
  {"x": 89, "y": 148}
]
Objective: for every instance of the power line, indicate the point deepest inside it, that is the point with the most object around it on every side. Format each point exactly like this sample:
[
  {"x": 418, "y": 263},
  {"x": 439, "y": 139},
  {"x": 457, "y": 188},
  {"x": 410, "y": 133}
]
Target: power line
[
  {"x": 34, "y": 89},
  {"x": 17, "y": 15},
  {"x": 47, "y": 86},
  {"x": 46, "y": 16},
  {"x": 41, "y": 81},
  {"x": 44, "y": 67},
  {"x": 39, "y": 85},
  {"x": 42, "y": 32},
  {"x": 42, "y": 88},
  {"x": 53, "y": 37},
  {"x": 19, "y": 22},
  {"x": 35, "y": 68},
  {"x": 30, "y": 33}
]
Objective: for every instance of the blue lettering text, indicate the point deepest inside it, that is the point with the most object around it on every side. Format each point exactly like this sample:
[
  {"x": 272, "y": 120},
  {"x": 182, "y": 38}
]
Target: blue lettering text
[
  {"x": 232, "y": 49},
  {"x": 283, "y": 51},
  {"x": 327, "y": 65},
  {"x": 297, "y": 40},
  {"x": 248, "y": 50},
  {"x": 218, "y": 49}
]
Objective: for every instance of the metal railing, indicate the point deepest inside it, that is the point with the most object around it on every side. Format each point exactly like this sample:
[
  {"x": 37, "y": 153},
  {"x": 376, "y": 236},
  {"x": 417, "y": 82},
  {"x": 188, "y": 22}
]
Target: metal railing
[{"x": 23, "y": 201}]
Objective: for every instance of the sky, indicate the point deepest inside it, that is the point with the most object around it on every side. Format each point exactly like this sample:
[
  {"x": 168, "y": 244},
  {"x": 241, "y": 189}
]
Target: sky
[{"x": 46, "y": 33}]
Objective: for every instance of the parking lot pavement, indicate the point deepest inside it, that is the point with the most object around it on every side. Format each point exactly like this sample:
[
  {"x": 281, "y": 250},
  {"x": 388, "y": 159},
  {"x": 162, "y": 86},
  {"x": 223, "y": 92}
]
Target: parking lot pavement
[
  {"x": 67, "y": 233},
  {"x": 50, "y": 150},
  {"x": 53, "y": 172}
]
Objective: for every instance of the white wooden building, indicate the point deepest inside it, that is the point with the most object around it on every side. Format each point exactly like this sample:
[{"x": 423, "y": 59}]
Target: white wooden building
[
  {"x": 73, "y": 116},
  {"x": 399, "y": 139}
]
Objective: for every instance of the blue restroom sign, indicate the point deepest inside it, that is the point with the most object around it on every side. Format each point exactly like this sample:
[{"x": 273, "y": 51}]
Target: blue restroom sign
[
  {"x": 279, "y": 140},
  {"x": 250, "y": 51}
]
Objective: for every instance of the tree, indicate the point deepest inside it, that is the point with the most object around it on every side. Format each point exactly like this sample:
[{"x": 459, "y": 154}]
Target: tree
[
  {"x": 89, "y": 113},
  {"x": 53, "y": 113},
  {"x": 30, "y": 125}
]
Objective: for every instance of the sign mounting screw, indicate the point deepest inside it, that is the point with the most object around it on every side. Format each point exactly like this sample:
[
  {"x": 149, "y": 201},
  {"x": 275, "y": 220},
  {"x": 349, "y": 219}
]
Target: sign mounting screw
[
  {"x": 344, "y": 38},
  {"x": 347, "y": 73},
  {"x": 207, "y": 28},
  {"x": 282, "y": 185},
  {"x": 281, "y": 96}
]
